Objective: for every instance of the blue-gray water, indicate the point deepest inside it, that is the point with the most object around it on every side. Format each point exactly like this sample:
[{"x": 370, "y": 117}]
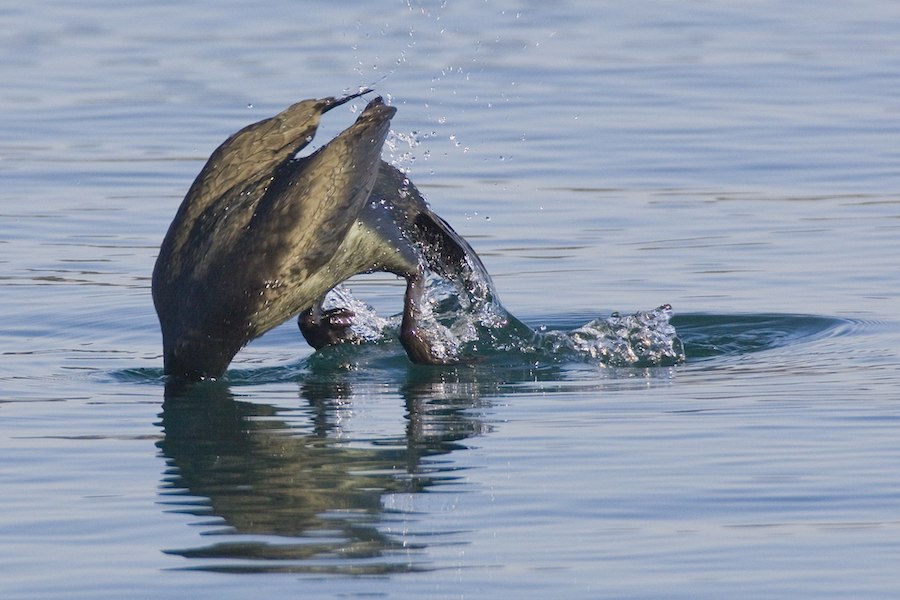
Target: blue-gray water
[{"x": 737, "y": 160}]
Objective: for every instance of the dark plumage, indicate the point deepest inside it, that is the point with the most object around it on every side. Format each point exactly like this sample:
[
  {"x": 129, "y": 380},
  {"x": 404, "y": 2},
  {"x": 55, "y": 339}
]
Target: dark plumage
[{"x": 262, "y": 236}]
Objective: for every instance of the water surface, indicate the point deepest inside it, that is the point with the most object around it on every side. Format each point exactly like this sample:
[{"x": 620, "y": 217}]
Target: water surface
[{"x": 737, "y": 161}]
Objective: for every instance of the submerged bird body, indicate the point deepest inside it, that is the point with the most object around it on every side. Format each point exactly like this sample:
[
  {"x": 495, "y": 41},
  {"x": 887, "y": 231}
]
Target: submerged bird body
[{"x": 262, "y": 236}]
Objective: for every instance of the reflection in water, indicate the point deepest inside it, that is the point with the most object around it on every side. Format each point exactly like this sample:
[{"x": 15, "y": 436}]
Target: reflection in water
[
  {"x": 295, "y": 495},
  {"x": 293, "y": 489}
]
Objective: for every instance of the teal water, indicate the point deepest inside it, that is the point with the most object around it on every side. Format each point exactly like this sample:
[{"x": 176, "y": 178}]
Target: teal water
[{"x": 737, "y": 161}]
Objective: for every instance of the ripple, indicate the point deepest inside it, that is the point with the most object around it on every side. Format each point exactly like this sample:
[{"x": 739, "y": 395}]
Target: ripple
[
  {"x": 711, "y": 335},
  {"x": 556, "y": 351}
]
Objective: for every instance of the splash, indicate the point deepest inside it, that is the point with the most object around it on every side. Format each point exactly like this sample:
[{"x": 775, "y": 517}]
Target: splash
[
  {"x": 468, "y": 323},
  {"x": 644, "y": 338},
  {"x": 400, "y": 147},
  {"x": 366, "y": 326},
  {"x": 402, "y": 158}
]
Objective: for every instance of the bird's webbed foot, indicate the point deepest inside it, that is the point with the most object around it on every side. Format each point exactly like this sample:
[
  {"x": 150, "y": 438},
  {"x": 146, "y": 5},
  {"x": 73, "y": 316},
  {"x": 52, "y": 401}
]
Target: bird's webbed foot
[
  {"x": 327, "y": 327},
  {"x": 412, "y": 334}
]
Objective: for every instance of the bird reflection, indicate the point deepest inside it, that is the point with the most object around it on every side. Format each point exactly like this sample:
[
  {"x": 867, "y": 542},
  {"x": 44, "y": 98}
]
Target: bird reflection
[{"x": 282, "y": 493}]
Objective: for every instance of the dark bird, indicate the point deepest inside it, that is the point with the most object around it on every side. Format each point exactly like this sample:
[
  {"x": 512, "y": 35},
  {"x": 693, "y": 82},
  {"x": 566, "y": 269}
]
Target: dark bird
[{"x": 263, "y": 235}]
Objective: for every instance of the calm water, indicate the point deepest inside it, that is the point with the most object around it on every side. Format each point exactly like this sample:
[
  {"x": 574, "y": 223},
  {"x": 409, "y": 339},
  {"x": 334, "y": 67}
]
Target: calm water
[{"x": 737, "y": 160}]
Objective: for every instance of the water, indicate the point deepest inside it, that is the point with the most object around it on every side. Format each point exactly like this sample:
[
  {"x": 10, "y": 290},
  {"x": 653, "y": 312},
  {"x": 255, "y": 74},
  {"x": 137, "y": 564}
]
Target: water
[{"x": 735, "y": 160}]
